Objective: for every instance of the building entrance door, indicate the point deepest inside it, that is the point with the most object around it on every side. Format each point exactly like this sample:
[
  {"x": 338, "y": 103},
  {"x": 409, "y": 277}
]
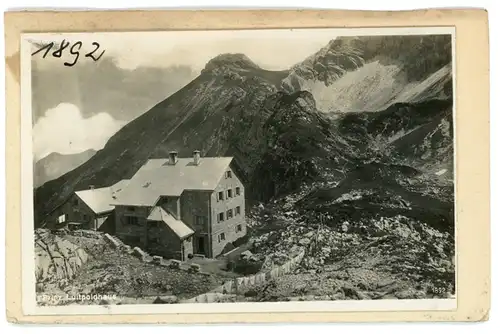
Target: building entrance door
[{"x": 201, "y": 245}]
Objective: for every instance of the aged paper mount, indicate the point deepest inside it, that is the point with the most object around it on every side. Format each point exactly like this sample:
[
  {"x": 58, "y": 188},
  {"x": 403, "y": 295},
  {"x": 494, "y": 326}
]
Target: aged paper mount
[{"x": 450, "y": 96}]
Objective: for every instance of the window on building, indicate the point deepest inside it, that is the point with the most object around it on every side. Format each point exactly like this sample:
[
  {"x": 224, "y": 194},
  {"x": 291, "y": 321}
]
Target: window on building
[
  {"x": 229, "y": 213},
  {"x": 75, "y": 201},
  {"x": 200, "y": 220},
  {"x": 238, "y": 210},
  {"x": 237, "y": 191},
  {"x": 62, "y": 218},
  {"x": 222, "y": 237},
  {"x": 229, "y": 193},
  {"x": 132, "y": 220},
  {"x": 85, "y": 217},
  {"x": 220, "y": 218},
  {"x": 220, "y": 196},
  {"x": 131, "y": 208},
  {"x": 238, "y": 228},
  {"x": 228, "y": 174}
]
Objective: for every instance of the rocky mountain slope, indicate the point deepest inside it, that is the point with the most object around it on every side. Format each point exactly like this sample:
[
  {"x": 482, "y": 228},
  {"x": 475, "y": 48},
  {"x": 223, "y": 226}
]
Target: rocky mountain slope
[
  {"x": 301, "y": 146},
  {"x": 371, "y": 73},
  {"x": 415, "y": 134},
  {"x": 56, "y": 164}
]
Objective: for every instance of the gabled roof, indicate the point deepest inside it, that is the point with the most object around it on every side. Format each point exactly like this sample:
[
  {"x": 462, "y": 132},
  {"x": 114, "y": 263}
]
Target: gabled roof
[
  {"x": 99, "y": 199},
  {"x": 157, "y": 178},
  {"x": 179, "y": 228}
]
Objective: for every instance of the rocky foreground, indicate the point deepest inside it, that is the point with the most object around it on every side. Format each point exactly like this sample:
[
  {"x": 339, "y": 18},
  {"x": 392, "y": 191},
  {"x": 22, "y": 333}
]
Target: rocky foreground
[
  {"x": 82, "y": 263},
  {"x": 374, "y": 256}
]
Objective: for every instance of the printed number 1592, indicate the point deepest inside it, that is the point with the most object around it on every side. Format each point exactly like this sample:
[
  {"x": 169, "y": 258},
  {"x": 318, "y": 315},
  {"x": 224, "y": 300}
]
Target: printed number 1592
[{"x": 438, "y": 289}]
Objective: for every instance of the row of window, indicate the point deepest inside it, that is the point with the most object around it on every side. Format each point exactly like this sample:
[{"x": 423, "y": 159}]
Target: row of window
[
  {"x": 62, "y": 218},
  {"x": 229, "y": 194},
  {"x": 229, "y": 214},
  {"x": 132, "y": 220},
  {"x": 200, "y": 220},
  {"x": 222, "y": 236}
]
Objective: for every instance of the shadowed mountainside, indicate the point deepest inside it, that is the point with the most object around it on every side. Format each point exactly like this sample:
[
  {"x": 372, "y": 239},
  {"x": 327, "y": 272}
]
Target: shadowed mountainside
[{"x": 56, "y": 164}]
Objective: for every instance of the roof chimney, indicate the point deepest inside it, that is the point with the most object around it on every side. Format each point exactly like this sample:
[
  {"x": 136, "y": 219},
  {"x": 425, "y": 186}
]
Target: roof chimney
[
  {"x": 196, "y": 157},
  {"x": 91, "y": 186},
  {"x": 172, "y": 158}
]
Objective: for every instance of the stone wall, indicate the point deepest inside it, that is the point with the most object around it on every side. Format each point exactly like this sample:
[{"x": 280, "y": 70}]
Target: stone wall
[
  {"x": 195, "y": 213},
  {"x": 241, "y": 284},
  {"x": 164, "y": 242},
  {"x": 135, "y": 235},
  {"x": 144, "y": 256},
  {"x": 153, "y": 236}
]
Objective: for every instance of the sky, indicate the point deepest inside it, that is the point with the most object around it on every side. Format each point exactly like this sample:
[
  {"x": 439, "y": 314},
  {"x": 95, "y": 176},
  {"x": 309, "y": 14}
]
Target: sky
[
  {"x": 75, "y": 134},
  {"x": 270, "y": 49},
  {"x": 76, "y": 108}
]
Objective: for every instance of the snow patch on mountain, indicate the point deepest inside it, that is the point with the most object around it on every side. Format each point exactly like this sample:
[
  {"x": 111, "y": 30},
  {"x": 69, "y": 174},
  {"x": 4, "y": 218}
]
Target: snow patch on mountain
[
  {"x": 366, "y": 88},
  {"x": 374, "y": 87}
]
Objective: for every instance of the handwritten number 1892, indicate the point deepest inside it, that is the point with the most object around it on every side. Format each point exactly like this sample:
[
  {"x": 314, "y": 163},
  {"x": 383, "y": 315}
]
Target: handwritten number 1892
[{"x": 74, "y": 50}]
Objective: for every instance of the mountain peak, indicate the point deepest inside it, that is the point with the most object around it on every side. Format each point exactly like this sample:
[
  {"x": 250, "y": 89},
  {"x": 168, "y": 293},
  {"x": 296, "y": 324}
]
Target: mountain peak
[
  {"x": 235, "y": 61},
  {"x": 328, "y": 64}
]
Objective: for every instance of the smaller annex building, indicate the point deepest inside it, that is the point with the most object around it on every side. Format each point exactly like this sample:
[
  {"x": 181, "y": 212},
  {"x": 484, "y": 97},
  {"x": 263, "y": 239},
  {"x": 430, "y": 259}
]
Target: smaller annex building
[{"x": 88, "y": 209}]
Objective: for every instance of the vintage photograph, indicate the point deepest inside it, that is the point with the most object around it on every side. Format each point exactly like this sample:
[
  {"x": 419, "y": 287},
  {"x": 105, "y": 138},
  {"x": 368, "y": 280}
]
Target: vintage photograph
[{"x": 249, "y": 166}]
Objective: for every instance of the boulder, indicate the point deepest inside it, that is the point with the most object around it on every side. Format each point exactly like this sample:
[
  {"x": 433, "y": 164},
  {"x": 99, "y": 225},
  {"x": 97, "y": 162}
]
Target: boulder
[
  {"x": 405, "y": 294},
  {"x": 57, "y": 259},
  {"x": 195, "y": 267},
  {"x": 175, "y": 264},
  {"x": 246, "y": 254},
  {"x": 139, "y": 252},
  {"x": 304, "y": 241}
]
